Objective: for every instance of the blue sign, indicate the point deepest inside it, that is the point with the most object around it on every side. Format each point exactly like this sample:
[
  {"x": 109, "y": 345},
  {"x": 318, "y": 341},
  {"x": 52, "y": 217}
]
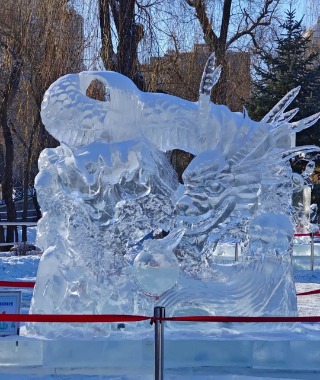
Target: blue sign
[{"x": 10, "y": 303}]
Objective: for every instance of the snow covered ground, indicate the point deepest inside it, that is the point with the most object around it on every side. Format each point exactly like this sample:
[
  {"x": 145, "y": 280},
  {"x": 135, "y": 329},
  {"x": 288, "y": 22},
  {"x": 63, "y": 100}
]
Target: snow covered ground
[{"x": 25, "y": 268}]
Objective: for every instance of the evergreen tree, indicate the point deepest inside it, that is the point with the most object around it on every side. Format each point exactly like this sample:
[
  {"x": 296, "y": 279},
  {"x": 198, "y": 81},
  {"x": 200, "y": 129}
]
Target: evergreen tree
[{"x": 289, "y": 66}]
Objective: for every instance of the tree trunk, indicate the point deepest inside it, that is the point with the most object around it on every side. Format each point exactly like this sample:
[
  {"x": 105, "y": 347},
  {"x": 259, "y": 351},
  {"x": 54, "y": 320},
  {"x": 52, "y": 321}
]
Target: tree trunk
[
  {"x": 105, "y": 34},
  {"x": 125, "y": 61},
  {"x": 7, "y": 185},
  {"x": 26, "y": 177}
]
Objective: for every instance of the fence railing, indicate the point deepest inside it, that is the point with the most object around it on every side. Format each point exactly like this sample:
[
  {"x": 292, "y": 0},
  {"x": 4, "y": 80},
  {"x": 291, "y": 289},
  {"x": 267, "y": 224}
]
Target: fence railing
[
  {"x": 312, "y": 235},
  {"x": 15, "y": 224}
]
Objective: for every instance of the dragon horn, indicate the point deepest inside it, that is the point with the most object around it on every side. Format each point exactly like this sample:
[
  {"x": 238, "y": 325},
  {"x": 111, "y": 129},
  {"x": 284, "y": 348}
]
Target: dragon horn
[
  {"x": 305, "y": 123},
  {"x": 280, "y": 107},
  {"x": 210, "y": 76}
]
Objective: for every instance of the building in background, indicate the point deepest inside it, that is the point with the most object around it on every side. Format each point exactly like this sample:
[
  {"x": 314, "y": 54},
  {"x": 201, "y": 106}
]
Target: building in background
[{"x": 314, "y": 35}]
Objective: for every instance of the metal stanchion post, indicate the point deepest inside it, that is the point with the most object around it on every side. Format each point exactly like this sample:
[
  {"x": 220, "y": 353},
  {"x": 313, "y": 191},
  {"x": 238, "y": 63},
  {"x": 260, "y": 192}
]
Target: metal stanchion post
[
  {"x": 159, "y": 312},
  {"x": 236, "y": 252},
  {"x": 312, "y": 251}
]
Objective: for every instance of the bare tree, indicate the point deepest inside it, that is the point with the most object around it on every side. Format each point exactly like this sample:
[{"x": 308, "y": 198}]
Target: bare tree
[
  {"x": 12, "y": 39},
  {"x": 57, "y": 41},
  {"x": 39, "y": 42},
  {"x": 234, "y": 21}
]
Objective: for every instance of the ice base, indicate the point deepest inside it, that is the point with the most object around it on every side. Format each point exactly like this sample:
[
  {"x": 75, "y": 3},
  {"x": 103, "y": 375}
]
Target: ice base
[{"x": 131, "y": 355}]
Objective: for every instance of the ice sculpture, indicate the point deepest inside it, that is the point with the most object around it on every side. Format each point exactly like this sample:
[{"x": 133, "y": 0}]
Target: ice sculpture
[{"x": 120, "y": 234}]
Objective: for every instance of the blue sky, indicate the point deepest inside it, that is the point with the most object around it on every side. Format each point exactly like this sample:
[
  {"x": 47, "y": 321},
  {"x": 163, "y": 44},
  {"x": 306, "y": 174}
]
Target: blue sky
[{"x": 303, "y": 7}]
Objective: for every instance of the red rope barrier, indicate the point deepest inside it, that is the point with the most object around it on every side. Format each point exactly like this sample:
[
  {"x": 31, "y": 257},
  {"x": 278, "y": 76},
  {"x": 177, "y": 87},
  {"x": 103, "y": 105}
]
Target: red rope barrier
[
  {"x": 316, "y": 291},
  {"x": 90, "y": 318},
  {"x": 17, "y": 284},
  {"x": 72, "y": 318},
  {"x": 307, "y": 234},
  {"x": 242, "y": 319}
]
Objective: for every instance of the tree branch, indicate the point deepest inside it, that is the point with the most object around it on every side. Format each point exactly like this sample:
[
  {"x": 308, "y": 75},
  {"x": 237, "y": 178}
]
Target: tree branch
[
  {"x": 210, "y": 37},
  {"x": 251, "y": 24},
  {"x": 145, "y": 6},
  {"x": 114, "y": 5}
]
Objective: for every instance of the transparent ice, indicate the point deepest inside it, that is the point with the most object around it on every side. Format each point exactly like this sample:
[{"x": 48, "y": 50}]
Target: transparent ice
[{"x": 120, "y": 234}]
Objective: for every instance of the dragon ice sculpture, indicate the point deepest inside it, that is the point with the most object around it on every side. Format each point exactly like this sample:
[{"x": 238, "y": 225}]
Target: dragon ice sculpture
[{"x": 108, "y": 190}]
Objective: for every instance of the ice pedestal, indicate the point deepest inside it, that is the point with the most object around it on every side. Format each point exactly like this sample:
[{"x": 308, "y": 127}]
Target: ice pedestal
[
  {"x": 123, "y": 355},
  {"x": 20, "y": 351}
]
